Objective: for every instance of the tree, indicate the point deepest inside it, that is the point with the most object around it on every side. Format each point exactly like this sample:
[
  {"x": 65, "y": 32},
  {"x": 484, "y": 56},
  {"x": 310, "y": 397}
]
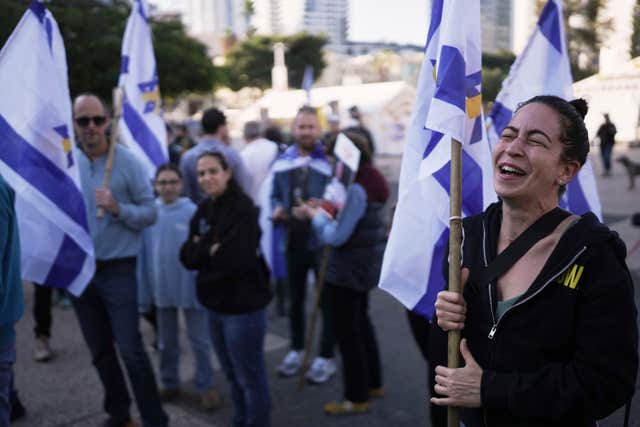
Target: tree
[
  {"x": 249, "y": 62},
  {"x": 183, "y": 64},
  {"x": 495, "y": 67},
  {"x": 92, "y": 31},
  {"x": 304, "y": 49},
  {"x": 635, "y": 37}
]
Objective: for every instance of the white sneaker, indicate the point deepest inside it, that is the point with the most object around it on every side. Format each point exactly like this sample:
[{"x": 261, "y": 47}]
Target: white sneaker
[
  {"x": 291, "y": 363},
  {"x": 42, "y": 352},
  {"x": 321, "y": 370}
]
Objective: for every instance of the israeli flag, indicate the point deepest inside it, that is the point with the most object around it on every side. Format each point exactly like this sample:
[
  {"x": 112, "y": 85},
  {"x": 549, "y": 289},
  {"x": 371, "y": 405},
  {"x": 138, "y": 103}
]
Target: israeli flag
[
  {"x": 448, "y": 105},
  {"x": 273, "y": 239},
  {"x": 543, "y": 68},
  {"x": 37, "y": 157},
  {"x": 141, "y": 127}
]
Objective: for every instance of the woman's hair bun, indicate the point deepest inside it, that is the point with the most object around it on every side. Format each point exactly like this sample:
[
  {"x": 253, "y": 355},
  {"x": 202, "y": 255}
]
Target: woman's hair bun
[{"x": 581, "y": 106}]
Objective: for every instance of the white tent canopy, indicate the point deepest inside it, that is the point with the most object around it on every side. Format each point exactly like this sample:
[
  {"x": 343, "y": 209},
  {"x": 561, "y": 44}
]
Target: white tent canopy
[{"x": 616, "y": 94}]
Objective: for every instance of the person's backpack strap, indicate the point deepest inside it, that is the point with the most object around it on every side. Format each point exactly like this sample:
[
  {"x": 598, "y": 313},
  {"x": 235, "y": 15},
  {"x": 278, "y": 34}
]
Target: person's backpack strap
[{"x": 536, "y": 231}]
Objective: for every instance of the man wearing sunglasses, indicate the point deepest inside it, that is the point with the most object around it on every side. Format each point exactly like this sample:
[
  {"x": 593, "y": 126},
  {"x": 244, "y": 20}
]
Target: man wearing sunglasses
[{"x": 107, "y": 310}]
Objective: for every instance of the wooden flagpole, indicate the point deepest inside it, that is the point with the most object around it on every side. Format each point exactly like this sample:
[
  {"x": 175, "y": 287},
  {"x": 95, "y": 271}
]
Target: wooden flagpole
[
  {"x": 314, "y": 315},
  {"x": 455, "y": 237},
  {"x": 118, "y": 98}
]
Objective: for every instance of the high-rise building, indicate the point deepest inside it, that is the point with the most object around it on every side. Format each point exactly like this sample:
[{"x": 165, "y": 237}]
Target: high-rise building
[
  {"x": 497, "y": 25},
  {"x": 523, "y": 23},
  {"x": 328, "y": 17},
  {"x": 210, "y": 21},
  {"x": 266, "y": 17}
]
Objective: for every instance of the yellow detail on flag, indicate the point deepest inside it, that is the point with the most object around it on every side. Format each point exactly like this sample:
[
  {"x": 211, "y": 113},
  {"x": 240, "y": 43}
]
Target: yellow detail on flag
[
  {"x": 474, "y": 106},
  {"x": 66, "y": 145},
  {"x": 153, "y": 96}
]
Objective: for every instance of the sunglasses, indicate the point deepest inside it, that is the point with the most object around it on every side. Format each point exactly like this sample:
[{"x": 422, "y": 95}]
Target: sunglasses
[{"x": 84, "y": 121}]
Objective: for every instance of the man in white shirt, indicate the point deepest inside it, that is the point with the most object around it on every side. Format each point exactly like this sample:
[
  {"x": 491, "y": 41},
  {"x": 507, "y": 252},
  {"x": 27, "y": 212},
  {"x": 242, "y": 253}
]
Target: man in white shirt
[{"x": 257, "y": 156}]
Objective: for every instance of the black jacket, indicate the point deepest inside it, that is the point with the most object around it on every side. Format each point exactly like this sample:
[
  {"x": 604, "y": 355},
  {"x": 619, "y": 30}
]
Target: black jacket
[
  {"x": 565, "y": 354},
  {"x": 234, "y": 279},
  {"x": 356, "y": 264}
]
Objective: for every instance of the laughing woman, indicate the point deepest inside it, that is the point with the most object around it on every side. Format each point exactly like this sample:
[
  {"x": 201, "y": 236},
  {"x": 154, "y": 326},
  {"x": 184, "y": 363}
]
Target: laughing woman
[
  {"x": 232, "y": 283},
  {"x": 550, "y": 335}
]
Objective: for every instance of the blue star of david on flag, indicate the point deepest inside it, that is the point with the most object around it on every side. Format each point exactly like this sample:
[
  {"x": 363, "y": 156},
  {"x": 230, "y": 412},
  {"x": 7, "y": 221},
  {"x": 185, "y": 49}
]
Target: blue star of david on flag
[
  {"x": 66, "y": 143},
  {"x": 151, "y": 95}
]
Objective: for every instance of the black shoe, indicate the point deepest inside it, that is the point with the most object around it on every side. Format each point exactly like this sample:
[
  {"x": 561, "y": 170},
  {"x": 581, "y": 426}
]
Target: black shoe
[
  {"x": 112, "y": 422},
  {"x": 17, "y": 410}
]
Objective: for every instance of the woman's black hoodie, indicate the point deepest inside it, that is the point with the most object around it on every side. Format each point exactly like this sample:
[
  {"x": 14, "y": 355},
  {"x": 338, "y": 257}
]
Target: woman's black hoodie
[
  {"x": 566, "y": 353},
  {"x": 234, "y": 279}
]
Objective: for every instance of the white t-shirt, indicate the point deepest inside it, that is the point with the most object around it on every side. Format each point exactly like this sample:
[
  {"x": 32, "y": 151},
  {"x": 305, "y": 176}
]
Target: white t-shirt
[{"x": 258, "y": 155}]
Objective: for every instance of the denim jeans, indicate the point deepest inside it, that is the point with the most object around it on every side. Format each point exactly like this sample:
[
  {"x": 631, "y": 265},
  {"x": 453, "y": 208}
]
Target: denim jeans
[
  {"x": 198, "y": 333},
  {"x": 7, "y": 359},
  {"x": 605, "y": 151},
  {"x": 238, "y": 340},
  {"x": 108, "y": 312}
]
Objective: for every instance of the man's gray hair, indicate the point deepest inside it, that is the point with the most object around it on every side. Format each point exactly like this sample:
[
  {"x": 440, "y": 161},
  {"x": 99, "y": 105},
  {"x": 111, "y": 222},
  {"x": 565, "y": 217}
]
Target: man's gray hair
[{"x": 251, "y": 130}]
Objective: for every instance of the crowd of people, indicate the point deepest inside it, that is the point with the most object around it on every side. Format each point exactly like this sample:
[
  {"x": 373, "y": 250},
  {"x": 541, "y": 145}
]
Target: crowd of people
[{"x": 190, "y": 242}]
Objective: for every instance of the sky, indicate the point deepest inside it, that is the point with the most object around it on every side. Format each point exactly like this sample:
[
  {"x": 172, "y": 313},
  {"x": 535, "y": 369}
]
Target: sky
[{"x": 401, "y": 21}]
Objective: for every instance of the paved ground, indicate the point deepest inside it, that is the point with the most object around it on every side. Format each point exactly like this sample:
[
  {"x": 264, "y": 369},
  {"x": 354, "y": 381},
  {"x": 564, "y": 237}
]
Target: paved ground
[{"x": 66, "y": 392}]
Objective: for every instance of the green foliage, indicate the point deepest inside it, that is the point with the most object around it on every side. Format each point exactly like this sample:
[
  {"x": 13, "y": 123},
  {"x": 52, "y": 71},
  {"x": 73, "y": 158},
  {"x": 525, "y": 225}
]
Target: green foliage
[
  {"x": 635, "y": 37},
  {"x": 12, "y": 11},
  {"x": 492, "y": 79},
  {"x": 183, "y": 64},
  {"x": 304, "y": 49},
  {"x": 585, "y": 38},
  {"x": 92, "y": 31},
  {"x": 501, "y": 60},
  {"x": 249, "y": 62},
  {"x": 495, "y": 67}
]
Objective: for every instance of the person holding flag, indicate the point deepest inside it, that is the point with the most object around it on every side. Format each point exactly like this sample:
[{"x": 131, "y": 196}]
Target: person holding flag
[
  {"x": 548, "y": 311},
  {"x": 108, "y": 310},
  {"x": 300, "y": 174}
]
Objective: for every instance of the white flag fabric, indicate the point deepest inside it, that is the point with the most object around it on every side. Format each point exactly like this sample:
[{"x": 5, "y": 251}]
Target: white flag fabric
[
  {"x": 37, "y": 157},
  {"x": 448, "y": 105},
  {"x": 543, "y": 68},
  {"x": 141, "y": 127}
]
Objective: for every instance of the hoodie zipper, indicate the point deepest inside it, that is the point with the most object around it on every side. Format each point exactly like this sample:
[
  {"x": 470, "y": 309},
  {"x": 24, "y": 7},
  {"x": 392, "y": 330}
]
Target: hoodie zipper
[{"x": 494, "y": 328}]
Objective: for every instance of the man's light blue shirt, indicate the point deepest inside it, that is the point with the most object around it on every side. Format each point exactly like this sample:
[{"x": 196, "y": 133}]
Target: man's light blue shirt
[
  {"x": 118, "y": 237},
  {"x": 189, "y": 161}
]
